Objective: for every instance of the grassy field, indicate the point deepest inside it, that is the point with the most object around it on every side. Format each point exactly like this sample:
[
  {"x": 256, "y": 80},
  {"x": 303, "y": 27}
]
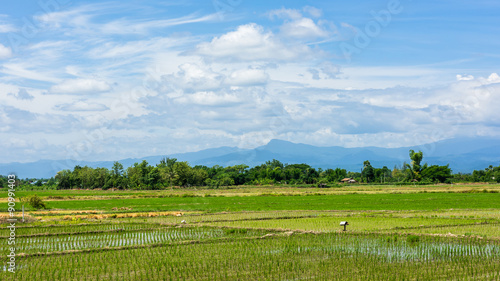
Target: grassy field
[
  {"x": 264, "y": 233},
  {"x": 256, "y": 190},
  {"x": 308, "y": 199},
  {"x": 404, "y": 201}
]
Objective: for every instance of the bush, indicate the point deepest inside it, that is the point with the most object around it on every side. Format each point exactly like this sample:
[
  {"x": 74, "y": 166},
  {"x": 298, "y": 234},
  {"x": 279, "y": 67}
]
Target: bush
[{"x": 36, "y": 202}]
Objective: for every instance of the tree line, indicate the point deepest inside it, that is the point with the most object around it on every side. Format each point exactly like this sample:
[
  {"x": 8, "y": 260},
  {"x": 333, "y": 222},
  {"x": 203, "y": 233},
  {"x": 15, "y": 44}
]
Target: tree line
[{"x": 170, "y": 172}]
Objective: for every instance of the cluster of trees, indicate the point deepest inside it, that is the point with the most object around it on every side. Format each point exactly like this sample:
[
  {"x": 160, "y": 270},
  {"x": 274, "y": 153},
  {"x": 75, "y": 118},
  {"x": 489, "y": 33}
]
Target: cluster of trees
[
  {"x": 25, "y": 182},
  {"x": 413, "y": 172},
  {"x": 170, "y": 172},
  {"x": 487, "y": 175}
]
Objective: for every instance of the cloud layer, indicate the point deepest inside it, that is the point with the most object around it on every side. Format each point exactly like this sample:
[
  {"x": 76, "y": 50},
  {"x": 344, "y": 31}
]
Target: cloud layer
[{"x": 106, "y": 81}]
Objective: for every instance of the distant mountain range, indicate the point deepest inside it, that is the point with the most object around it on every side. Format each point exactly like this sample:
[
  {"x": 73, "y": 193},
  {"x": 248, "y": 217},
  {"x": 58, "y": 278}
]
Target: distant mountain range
[{"x": 463, "y": 155}]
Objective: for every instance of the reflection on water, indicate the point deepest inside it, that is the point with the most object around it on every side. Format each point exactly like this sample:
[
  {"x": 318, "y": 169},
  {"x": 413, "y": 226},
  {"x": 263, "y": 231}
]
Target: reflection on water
[{"x": 394, "y": 251}]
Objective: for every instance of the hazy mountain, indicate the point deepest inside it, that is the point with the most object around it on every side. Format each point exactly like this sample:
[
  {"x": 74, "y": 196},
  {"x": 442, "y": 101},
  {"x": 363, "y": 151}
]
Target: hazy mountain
[
  {"x": 49, "y": 168},
  {"x": 463, "y": 155}
]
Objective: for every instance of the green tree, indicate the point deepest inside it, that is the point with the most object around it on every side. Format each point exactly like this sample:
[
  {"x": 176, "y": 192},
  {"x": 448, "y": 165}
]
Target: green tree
[
  {"x": 183, "y": 171},
  {"x": 138, "y": 174},
  {"x": 310, "y": 176},
  {"x": 167, "y": 170},
  {"x": 226, "y": 180},
  {"x": 117, "y": 169},
  {"x": 116, "y": 178},
  {"x": 437, "y": 173},
  {"x": 99, "y": 177},
  {"x": 153, "y": 178},
  {"x": 198, "y": 177},
  {"x": 51, "y": 182},
  {"x": 64, "y": 179},
  {"x": 416, "y": 167},
  {"x": 83, "y": 177},
  {"x": 382, "y": 175},
  {"x": 368, "y": 172},
  {"x": 274, "y": 164}
]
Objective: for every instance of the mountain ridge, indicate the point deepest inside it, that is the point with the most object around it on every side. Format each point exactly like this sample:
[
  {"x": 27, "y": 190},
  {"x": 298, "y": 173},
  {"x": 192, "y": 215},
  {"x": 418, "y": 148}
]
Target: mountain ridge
[{"x": 463, "y": 155}]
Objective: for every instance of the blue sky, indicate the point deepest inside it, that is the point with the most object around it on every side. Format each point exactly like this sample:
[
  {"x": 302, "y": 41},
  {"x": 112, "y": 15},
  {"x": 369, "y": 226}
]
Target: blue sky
[{"x": 98, "y": 80}]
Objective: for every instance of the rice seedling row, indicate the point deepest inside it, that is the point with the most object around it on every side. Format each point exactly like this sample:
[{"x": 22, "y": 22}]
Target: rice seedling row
[
  {"x": 329, "y": 224},
  {"x": 328, "y": 256},
  {"x": 59, "y": 243}
]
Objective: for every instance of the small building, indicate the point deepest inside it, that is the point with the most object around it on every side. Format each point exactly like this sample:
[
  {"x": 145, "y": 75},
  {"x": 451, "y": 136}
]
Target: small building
[{"x": 348, "y": 180}]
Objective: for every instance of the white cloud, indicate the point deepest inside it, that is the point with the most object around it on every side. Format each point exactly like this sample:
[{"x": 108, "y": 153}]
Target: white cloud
[
  {"x": 476, "y": 100},
  {"x": 81, "y": 20},
  {"x": 303, "y": 28},
  {"x": 327, "y": 69},
  {"x": 73, "y": 70},
  {"x": 209, "y": 114},
  {"x": 25, "y": 70},
  {"x": 285, "y": 13},
  {"x": 464, "y": 77},
  {"x": 58, "y": 45},
  {"x": 247, "y": 85},
  {"x": 249, "y": 43},
  {"x": 330, "y": 70},
  {"x": 80, "y": 86},
  {"x": 137, "y": 50},
  {"x": 494, "y": 78},
  {"x": 298, "y": 26},
  {"x": 209, "y": 99},
  {"x": 52, "y": 51},
  {"x": 314, "y": 12},
  {"x": 247, "y": 77},
  {"x": 192, "y": 77},
  {"x": 140, "y": 26},
  {"x": 449, "y": 108},
  {"x": 82, "y": 106},
  {"x": 5, "y": 52},
  {"x": 6, "y": 28},
  {"x": 76, "y": 18}
]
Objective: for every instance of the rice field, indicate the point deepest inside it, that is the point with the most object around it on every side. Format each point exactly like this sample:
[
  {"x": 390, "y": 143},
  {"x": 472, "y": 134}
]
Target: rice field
[
  {"x": 109, "y": 236},
  {"x": 328, "y": 256},
  {"x": 264, "y": 241}
]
